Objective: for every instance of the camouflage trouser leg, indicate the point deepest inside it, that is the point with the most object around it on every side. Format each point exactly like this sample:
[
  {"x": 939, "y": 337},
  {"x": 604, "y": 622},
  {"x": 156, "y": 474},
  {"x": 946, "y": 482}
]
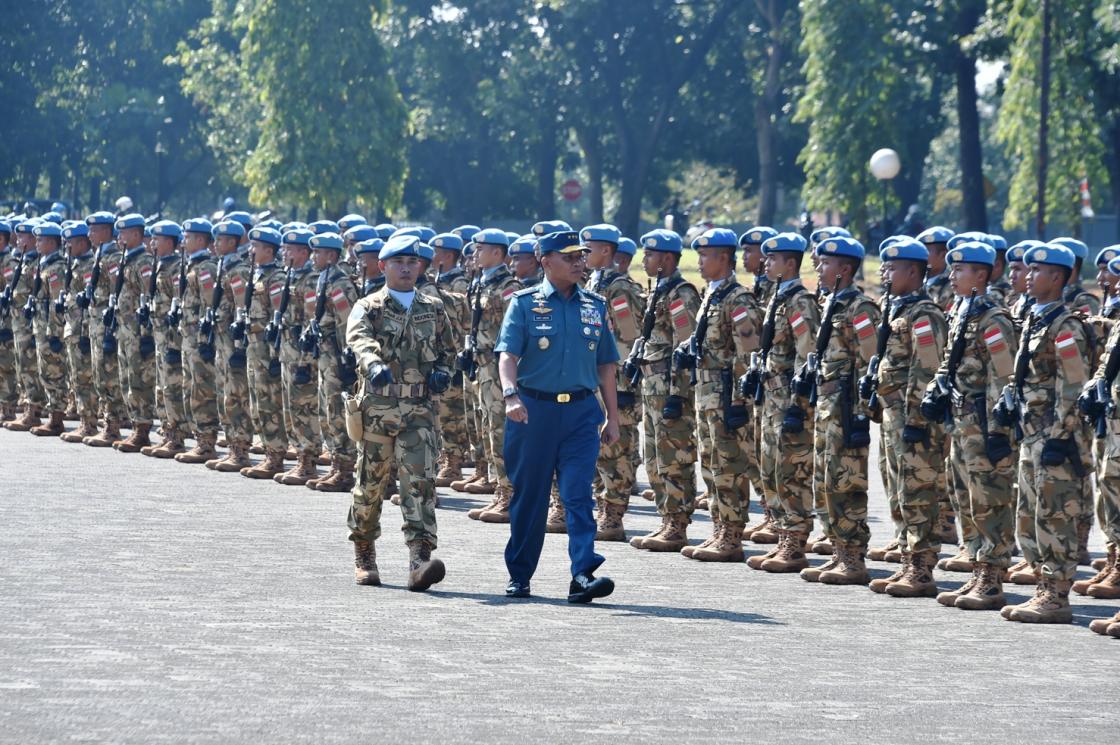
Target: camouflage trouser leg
[
  {"x": 913, "y": 470},
  {"x": 81, "y": 379},
  {"x": 27, "y": 366},
  {"x": 52, "y": 372},
  {"x": 729, "y": 462},
  {"x": 704, "y": 448},
  {"x": 9, "y": 391},
  {"x": 675, "y": 456},
  {"x": 984, "y": 496},
  {"x": 787, "y": 467},
  {"x": 200, "y": 392},
  {"x": 748, "y": 433},
  {"x": 473, "y": 421},
  {"x": 887, "y": 468},
  {"x": 138, "y": 377},
  {"x": 840, "y": 480},
  {"x": 332, "y": 415},
  {"x": 302, "y": 412},
  {"x": 173, "y": 411},
  {"x": 236, "y": 419},
  {"x": 615, "y": 466},
  {"x": 267, "y": 401},
  {"x": 401, "y": 433},
  {"x": 494, "y": 422},
  {"x": 649, "y": 450},
  {"x": 453, "y": 424},
  {"x": 106, "y": 375},
  {"x": 1049, "y": 504},
  {"x": 1108, "y": 485}
]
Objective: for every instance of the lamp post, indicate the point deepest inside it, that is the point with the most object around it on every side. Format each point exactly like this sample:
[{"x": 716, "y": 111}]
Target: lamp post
[{"x": 884, "y": 165}]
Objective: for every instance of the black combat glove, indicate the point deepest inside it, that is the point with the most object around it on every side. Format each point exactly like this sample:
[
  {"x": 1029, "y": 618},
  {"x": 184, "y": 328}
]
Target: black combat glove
[
  {"x": 934, "y": 405},
  {"x": 144, "y": 315},
  {"x": 793, "y": 422},
  {"x": 84, "y": 345},
  {"x": 1055, "y": 452},
  {"x": 1087, "y": 402},
  {"x": 802, "y": 383},
  {"x": 55, "y": 344},
  {"x": 912, "y": 434},
  {"x": 173, "y": 356},
  {"x": 748, "y": 384},
  {"x": 464, "y": 360},
  {"x": 673, "y": 409},
  {"x": 1003, "y": 415},
  {"x": 82, "y": 300},
  {"x": 439, "y": 381},
  {"x": 997, "y": 446},
  {"x": 302, "y": 375},
  {"x": 625, "y": 399},
  {"x": 379, "y": 375},
  {"x": 867, "y": 385},
  {"x": 683, "y": 359},
  {"x": 630, "y": 370}
]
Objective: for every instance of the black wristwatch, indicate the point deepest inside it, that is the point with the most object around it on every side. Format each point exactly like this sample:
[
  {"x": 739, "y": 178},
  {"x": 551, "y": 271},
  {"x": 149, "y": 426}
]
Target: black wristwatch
[{"x": 510, "y": 391}]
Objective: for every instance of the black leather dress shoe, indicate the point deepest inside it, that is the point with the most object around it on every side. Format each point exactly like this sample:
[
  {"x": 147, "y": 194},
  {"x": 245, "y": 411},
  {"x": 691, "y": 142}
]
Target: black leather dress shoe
[
  {"x": 517, "y": 589},
  {"x": 585, "y": 588}
]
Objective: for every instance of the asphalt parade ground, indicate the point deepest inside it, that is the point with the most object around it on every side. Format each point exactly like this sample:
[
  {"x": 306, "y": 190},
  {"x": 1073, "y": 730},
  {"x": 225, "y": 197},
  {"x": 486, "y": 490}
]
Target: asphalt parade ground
[{"x": 146, "y": 601}]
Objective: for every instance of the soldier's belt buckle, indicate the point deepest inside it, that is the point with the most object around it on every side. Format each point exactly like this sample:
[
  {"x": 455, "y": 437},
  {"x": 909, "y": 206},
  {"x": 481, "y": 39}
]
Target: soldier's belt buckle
[{"x": 563, "y": 398}]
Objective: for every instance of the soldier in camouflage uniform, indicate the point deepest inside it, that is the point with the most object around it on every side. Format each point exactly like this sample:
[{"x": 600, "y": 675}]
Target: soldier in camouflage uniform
[
  {"x": 401, "y": 339},
  {"x": 616, "y": 467},
  {"x": 335, "y": 296},
  {"x": 233, "y": 380},
  {"x": 982, "y": 453},
  {"x": 936, "y": 241},
  {"x": 300, "y": 369},
  {"x": 668, "y": 414},
  {"x": 47, "y": 284},
  {"x": 264, "y": 373},
  {"x": 1054, "y": 454},
  {"x": 32, "y": 395},
  {"x": 496, "y": 287},
  {"x": 523, "y": 263},
  {"x": 786, "y": 449},
  {"x": 726, "y": 334},
  {"x": 76, "y": 333},
  {"x": 915, "y": 337},
  {"x": 9, "y": 392},
  {"x": 137, "y": 368},
  {"x": 1001, "y": 288},
  {"x": 200, "y": 381},
  {"x": 452, "y": 283},
  {"x": 841, "y": 425}
]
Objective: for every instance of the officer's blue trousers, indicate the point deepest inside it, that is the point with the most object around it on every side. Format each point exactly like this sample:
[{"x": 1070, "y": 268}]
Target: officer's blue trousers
[{"x": 560, "y": 439}]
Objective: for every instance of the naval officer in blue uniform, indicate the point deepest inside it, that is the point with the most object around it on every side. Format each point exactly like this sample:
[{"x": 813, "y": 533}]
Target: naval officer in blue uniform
[{"x": 556, "y": 351}]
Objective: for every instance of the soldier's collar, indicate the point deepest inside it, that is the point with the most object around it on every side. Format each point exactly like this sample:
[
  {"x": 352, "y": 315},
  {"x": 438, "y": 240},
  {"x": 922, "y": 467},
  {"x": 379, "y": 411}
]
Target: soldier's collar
[
  {"x": 269, "y": 265},
  {"x": 938, "y": 279},
  {"x": 134, "y": 251},
  {"x": 231, "y": 259},
  {"x": 50, "y": 258},
  {"x": 901, "y": 301},
  {"x": 31, "y": 255},
  {"x": 167, "y": 259},
  {"x": 198, "y": 256},
  {"x": 495, "y": 274}
]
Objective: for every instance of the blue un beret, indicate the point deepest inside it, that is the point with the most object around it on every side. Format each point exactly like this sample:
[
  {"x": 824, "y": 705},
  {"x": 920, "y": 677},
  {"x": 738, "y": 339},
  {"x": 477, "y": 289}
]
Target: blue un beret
[
  {"x": 229, "y": 227},
  {"x": 168, "y": 228},
  {"x": 972, "y": 252},
  {"x": 385, "y": 230},
  {"x": 466, "y": 232},
  {"x": 410, "y": 230},
  {"x": 400, "y": 245},
  {"x": 266, "y": 235},
  {"x": 198, "y": 225},
  {"x": 562, "y": 241},
  {"x": 1016, "y": 252},
  {"x": 757, "y": 235},
  {"x": 936, "y": 234},
  {"x": 972, "y": 236},
  {"x": 427, "y": 234},
  {"x": 351, "y": 221},
  {"x": 784, "y": 243},
  {"x": 840, "y": 245},
  {"x": 906, "y": 249},
  {"x": 890, "y": 240},
  {"x": 27, "y": 226},
  {"x": 52, "y": 216},
  {"x": 1108, "y": 253},
  {"x": 601, "y": 232},
  {"x": 332, "y": 241},
  {"x": 293, "y": 225},
  {"x": 512, "y": 236},
  {"x": 544, "y": 227},
  {"x": 1076, "y": 247},
  {"x": 323, "y": 226},
  {"x": 525, "y": 244},
  {"x": 371, "y": 246},
  {"x": 274, "y": 224},
  {"x": 716, "y": 238},
  {"x": 1114, "y": 266},
  {"x": 360, "y": 232},
  {"x": 492, "y": 235},
  {"x": 1054, "y": 254},
  {"x": 663, "y": 240},
  {"x": 823, "y": 234},
  {"x": 447, "y": 241},
  {"x": 298, "y": 237},
  {"x": 627, "y": 246},
  {"x": 48, "y": 229},
  {"x": 242, "y": 218},
  {"x": 426, "y": 252},
  {"x": 998, "y": 242},
  {"x": 132, "y": 220},
  {"x": 77, "y": 230},
  {"x": 100, "y": 218}
]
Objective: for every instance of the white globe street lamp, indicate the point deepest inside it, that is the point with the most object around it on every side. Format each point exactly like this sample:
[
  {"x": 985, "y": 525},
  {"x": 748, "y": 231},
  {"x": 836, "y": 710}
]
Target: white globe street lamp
[{"x": 884, "y": 165}]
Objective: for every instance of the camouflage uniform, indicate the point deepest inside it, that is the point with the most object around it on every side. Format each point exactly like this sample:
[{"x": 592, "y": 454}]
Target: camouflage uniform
[
  {"x": 452, "y": 291},
  {"x": 233, "y": 405},
  {"x": 78, "y": 352},
  {"x": 200, "y": 382},
  {"x": 1084, "y": 304},
  {"x": 9, "y": 392},
  {"x": 27, "y": 360},
  {"x": 1107, "y": 448},
  {"x": 1080, "y": 301},
  {"x": 137, "y": 374},
  {"x": 1001, "y": 292},
  {"x": 169, "y": 350},
  {"x": 49, "y": 327},
  {"x": 267, "y": 404},
  {"x": 939, "y": 290},
  {"x": 301, "y": 369},
  {"x": 340, "y": 297},
  {"x": 106, "y": 368}
]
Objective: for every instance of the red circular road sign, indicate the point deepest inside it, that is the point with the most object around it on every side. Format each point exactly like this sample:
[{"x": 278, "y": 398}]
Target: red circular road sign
[{"x": 571, "y": 190}]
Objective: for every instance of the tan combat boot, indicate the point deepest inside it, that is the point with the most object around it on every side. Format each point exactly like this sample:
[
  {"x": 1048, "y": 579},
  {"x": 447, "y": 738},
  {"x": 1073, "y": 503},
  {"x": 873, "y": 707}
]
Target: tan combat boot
[
  {"x": 138, "y": 439},
  {"x": 790, "y": 556},
  {"x": 452, "y": 470},
  {"x": 476, "y": 513},
  {"x": 849, "y": 571},
  {"x": 673, "y": 538},
  {"x": 609, "y": 527},
  {"x": 648, "y": 495},
  {"x": 324, "y": 458},
  {"x": 1050, "y": 604},
  {"x": 303, "y": 471},
  {"x": 767, "y": 532},
  {"x": 756, "y": 561},
  {"x": 714, "y": 538},
  {"x": 1109, "y": 587},
  {"x": 24, "y": 423},
  {"x": 1084, "y": 527},
  {"x": 423, "y": 570},
  {"x": 1081, "y": 586},
  {"x": 948, "y": 598},
  {"x": 880, "y": 585},
  {"x": 1022, "y": 573},
  {"x": 460, "y": 484},
  {"x": 87, "y": 428},
  {"x": 482, "y": 486},
  {"x": 1102, "y": 625},
  {"x": 728, "y": 548},
  {"x": 342, "y": 480},
  {"x": 272, "y": 464},
  {"x": 499, "y": 511},
  {"x": 813, "y": 574},
  {"x": 7, "y": 412},
  {"x": 106, "y": 437},
  {"x": 879, "y": 554},
  {"x": 55, "y": 426},
  {"x": 202, "y": 451},
  {"x": 917, "y": 580},
  {"x": 71, "y": 413},
  {"x": 960, "y": 562},
  {"x": 256, "y": 448},
  {"x": 986, "y": 593},
  {"x": 639, "y": 541},
  {"x": 171, "y": 446},
  {"x": 821, "y": 545},
  {"x": 557, "y": 520},
  {"x": 365, "y": 561},
  {"x": 703, "y": 502},
  {"x": 236, "y": 459}
]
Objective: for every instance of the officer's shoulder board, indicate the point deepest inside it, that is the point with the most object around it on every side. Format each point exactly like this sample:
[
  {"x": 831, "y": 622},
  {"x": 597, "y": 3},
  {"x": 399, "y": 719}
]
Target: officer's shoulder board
[
  {"x": 593, "y": 295},
  {"x": 525, "y": 292},
  {"x": 1070, "y": 330},
  {"x": 996, "y": 330}
]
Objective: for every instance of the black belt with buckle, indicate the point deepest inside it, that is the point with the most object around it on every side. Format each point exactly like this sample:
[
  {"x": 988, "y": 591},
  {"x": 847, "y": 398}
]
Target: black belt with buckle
[{"x": 560, "y": 398}]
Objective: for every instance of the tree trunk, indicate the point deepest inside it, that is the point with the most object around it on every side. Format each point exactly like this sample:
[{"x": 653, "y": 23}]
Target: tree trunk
[
  {"x": 547, "y": 153},
  {"x": 974, "y": 205},
  {"x": 765, "y": 114},
  {"x": 635, "y": 170},
  {"x": 94, "y": 193},
  {"x": 1113, "y": 162},
  {"x": 593, "y": 157},
  {"x": 1043, "y": 121}
]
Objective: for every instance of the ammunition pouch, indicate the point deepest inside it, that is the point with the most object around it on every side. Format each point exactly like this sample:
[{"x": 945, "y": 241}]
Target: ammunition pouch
[
  {"x": 173, "y": 356},
  {"x": 626, "y": 399},
  {"x": 673, "y": 409},
  {"x": 353, "y": 408},
  {"x": 147, "y": 346}
]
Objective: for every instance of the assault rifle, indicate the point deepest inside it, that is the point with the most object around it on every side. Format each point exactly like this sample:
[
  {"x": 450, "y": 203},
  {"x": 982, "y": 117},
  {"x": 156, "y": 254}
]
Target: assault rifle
[{"x": 869, "y": 384}]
